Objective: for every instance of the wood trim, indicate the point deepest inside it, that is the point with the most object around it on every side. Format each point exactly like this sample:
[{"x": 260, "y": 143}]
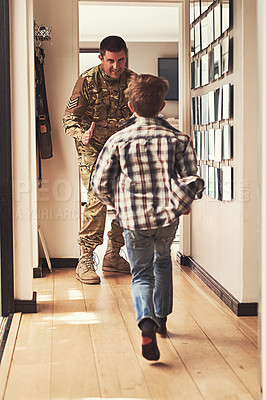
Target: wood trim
[
  {"x": 8, "y": 352},
  {"x": 26, "y": 306},
  {"x": 240, "y": 309},
  {"x": 60, "y": 262},
  {"x": 6, "y": 234}
]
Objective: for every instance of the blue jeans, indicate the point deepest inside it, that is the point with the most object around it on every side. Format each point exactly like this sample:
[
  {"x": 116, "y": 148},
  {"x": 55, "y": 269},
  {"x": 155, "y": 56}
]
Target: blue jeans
[{"x": 149, "y": 253}]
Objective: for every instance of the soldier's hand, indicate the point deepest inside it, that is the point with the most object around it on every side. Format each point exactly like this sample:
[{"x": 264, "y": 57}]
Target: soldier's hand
[{"x": 88, "y": 134}]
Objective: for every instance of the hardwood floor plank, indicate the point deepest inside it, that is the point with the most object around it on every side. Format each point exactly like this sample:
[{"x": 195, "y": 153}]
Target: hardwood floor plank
[
  {"x": 30, "y": 372},
  {"x": 168, "y": 378},
  {"x": 119, "y": 373},
  {"x": 236, "y": 349},
  {"x": 73, "y": 370}
]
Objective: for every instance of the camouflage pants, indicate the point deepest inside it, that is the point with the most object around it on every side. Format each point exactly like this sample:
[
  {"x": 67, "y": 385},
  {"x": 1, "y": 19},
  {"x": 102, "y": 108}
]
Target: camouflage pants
[{"x": 94, "y": 214}]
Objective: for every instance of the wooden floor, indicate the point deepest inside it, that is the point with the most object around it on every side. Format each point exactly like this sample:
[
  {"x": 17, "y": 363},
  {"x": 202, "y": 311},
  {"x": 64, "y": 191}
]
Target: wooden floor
[{"x": 84, "y": 344}]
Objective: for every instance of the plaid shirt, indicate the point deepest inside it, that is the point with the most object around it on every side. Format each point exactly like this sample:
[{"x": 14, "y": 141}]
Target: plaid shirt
[{"x": 147, "y": 172}]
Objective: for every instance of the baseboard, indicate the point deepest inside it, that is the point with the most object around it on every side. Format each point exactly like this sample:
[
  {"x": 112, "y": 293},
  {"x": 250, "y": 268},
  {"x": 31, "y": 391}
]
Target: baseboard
[
  {"x": 26, "y": 306},
  {"x": 60, "y": 262},
  {"x": 240, "y": 309}
]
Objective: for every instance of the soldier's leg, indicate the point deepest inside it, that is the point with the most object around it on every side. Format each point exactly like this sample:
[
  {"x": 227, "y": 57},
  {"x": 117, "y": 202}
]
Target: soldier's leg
[
  {"x": 94, "y": 215},
  {"x": 113, "y": 262}
]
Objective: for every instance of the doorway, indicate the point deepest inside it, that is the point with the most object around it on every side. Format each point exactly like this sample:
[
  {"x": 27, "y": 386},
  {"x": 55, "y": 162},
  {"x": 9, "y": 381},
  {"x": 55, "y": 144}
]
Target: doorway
[{"x": 155, "y": 36}]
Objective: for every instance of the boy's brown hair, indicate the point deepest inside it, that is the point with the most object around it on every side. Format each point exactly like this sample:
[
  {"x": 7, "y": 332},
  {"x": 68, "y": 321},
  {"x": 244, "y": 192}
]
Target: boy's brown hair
[{"x": 146, "y": 94}]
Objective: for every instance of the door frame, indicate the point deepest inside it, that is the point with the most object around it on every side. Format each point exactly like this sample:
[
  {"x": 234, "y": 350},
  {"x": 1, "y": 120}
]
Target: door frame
[{"x": 6, "y": 232}]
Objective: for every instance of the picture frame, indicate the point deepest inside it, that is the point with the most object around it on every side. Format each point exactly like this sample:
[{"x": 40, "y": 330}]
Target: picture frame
[
  {"x": 204, "y": 33},
  {"x": 197, "y": 79},
  {"x": 192, "y": 41},
  {"x": 217, "y": 21},
  {"x": 204, "y": 110},
  {"x": 226, "y": 15},
  {"x": 197, "y": 38},
  {"x": 227, "y": 101},
  {"x": 211, "y": 106},
  {"x": 227, "y": 142},
  {"x": 210, "y": 27},
  {"x": 211, "y": 147},
  {"x": 218, "y": 104},
  {"x": 211, "y": 65},
  {"x": 205, "y": 69},
  {"x": 217, "y": 67},
  {"x": 197, "y": 8},
  {"x": 225, "y": 45},
  {"x": 191, "y": 11},
  {"x": 218, "y": 145},
  {"x": 227, "y": 183}
]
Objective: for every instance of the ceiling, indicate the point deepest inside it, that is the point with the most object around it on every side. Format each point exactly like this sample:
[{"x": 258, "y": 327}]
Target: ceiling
[{"x": 140, "y": 22}]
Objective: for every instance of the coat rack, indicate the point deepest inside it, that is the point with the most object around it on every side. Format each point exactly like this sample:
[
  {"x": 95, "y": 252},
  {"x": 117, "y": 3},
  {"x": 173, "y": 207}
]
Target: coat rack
[{"x": 41, "y": 33}]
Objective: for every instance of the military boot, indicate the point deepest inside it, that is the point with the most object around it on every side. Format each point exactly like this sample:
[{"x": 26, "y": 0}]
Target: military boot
[
  {"x": 85, "y": 271},
  {"x": 112, "y": 261}
]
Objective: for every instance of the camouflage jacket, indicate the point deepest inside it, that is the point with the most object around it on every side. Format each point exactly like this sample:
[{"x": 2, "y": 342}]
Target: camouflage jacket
[{"x": 99, "y": 98}]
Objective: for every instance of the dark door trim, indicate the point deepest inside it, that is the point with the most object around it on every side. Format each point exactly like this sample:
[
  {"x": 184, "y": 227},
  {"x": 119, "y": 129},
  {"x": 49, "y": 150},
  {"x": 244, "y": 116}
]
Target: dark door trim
[{"x": 6, "y": 230}]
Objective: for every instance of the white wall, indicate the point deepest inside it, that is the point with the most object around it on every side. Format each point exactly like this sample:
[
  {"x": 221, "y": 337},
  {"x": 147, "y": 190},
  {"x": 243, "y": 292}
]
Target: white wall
[
  {"x": 225, "y": 234},
  {"x": 58, "y": 199}
]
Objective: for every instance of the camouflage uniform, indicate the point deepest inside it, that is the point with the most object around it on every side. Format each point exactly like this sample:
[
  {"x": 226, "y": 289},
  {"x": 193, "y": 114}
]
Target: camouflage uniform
[{"x": 99, "y": 98}]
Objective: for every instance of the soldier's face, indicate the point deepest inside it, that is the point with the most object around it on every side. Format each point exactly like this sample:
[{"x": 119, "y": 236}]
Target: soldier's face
[{"x": 114, "y": 63}]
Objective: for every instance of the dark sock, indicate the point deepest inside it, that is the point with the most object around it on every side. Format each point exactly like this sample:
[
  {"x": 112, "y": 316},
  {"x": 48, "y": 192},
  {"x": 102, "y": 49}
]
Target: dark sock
[
  {"x": 150, "y": 349},
  {"x": 162, "y": 325}
]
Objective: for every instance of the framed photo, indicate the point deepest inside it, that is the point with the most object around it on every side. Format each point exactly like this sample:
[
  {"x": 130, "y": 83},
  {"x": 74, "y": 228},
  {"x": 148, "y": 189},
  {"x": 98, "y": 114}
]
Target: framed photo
[
  {"x": 211, "y": 137},
  {"x": 199, "y": 144},
  {"x": 211, "y": 182},
  {"x": 227, "y": 178},
  {"x": 227, "y": 101},
  {"x": 205, "y": 177},
  {"x": 227, "y": 142},
  {"x": 168, "y": 69},
  {"x": 211, "y": 65},
  {"x": 197, "y": 73},
  {"x": 211, "y": 104},
  {"x": 205, "y": 69},
  {"x": 192, "y": 41},
  {"x": 217, "y": 21},
  {"x": 204, "y": 109},
  {"x": 197, "y": 38},
  {"x": 193, "y": 110},
  {"x": 205, "y": 4},
  {"x": 218, "y": 145},
  {"x": 204, "y": 33},
  {"x": 198, "y": 108},
  {"x": 206, "y": 145},
  {"x": 210, "y": 27},
  {"x": 218, "y": 104},
  {"x": 217, "y": 67},
  {"x": 197, "y": 8},
  {"x": 226, "y": 15},
  {"x": 191, "y": 11},
  {"x": 192, "y": 65}
]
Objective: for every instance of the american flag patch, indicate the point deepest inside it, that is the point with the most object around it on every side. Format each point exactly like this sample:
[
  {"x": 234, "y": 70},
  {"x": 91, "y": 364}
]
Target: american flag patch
[{"x": 72, "y": 103}]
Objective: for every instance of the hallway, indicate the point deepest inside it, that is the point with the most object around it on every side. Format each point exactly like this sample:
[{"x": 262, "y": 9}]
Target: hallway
[{"x": 84, "y": 344}]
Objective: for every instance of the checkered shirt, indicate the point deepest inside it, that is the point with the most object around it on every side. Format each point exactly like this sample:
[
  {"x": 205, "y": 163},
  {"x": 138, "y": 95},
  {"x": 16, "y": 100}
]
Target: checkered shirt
[{"x": 147, "y": 172}]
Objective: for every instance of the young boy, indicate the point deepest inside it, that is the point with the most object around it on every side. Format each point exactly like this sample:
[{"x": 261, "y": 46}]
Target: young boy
[{"x": 147, "y": 172}]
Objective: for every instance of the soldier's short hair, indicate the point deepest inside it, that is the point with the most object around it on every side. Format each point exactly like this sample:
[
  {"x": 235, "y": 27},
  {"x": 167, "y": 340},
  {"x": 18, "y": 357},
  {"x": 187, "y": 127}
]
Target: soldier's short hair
[
  {"x": 146, "y": 93},
  {"x": 114, "y": 44}
]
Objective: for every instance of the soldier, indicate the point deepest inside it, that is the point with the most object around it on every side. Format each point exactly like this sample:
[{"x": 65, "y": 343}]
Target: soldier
[{"x": 94, "y": 112}]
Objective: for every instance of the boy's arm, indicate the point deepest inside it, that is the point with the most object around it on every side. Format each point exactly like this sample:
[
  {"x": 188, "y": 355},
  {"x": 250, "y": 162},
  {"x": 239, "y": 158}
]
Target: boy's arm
[
  {"x": 186, "y": 164},
  {"x": 106, "y": 173}
]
